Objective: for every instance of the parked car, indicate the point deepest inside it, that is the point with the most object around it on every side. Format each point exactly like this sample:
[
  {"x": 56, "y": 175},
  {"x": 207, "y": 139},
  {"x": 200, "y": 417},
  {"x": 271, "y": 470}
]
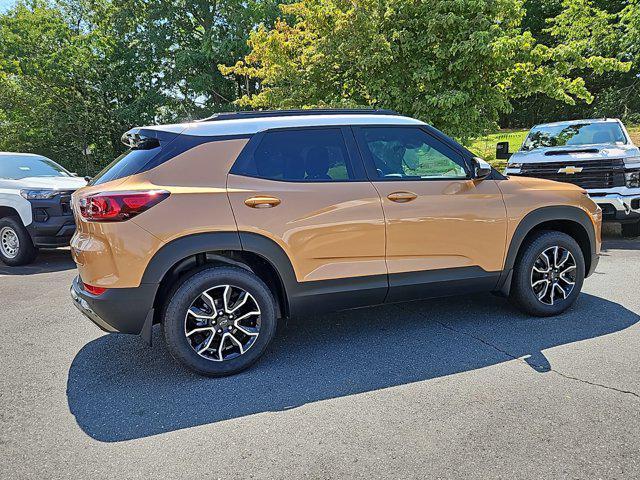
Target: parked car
[
  {"x": 218, "y": 228},
  {"x": 35, "y": 210},
  {"x": 598, "y": 155}
]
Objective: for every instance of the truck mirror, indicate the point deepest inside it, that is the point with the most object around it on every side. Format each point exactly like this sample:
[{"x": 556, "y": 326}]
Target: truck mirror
[{"x": 502, "y": 151}]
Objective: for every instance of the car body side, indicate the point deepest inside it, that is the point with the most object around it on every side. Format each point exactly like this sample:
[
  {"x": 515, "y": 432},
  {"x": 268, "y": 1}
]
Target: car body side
[{"x": 324, "y": 248}]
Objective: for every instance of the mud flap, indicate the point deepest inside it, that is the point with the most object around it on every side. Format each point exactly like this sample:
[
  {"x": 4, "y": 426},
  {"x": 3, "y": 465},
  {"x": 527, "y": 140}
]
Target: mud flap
[{"x": 147, "y": 328}]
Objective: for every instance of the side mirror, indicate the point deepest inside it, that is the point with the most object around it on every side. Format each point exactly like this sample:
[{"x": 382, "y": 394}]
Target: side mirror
[
  {"x": 88, "y": 179},
  {"x": 481, "y": 169},
  {"x": 74, "y": 174},
  {"x": 502, "y": 151}
]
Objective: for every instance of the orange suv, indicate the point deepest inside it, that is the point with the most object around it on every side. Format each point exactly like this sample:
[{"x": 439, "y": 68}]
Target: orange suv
[{"x": 218, "y": 228}]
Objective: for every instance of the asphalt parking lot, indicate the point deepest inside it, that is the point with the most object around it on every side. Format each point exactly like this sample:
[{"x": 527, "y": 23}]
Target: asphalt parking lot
[{"x": 458, "y": 387}]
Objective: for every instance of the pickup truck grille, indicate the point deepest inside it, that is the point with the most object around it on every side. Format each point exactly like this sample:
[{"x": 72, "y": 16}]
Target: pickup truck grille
[{"x": 595, "y": 173}]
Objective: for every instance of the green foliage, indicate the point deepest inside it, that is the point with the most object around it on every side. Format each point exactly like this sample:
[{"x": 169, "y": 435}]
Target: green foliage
[
  {"x": 78, "y": 73},
  {"x": 604, "y": 28},
  {"x": 453, "y": 63}
]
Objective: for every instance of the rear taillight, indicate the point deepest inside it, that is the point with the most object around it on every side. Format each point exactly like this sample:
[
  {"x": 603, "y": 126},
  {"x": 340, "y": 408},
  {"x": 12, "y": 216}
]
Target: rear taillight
[
  {"x": 118, "y": 206},
  {"x": 93, "y": 290}
]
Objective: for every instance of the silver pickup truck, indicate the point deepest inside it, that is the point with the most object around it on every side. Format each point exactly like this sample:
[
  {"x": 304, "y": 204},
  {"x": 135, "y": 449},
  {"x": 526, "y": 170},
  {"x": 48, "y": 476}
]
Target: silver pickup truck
[{"x": 597, "y": 155}]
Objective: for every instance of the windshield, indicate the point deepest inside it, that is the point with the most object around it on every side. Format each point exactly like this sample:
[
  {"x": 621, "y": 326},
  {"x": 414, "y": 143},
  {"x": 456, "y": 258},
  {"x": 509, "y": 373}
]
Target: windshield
[
  {"x": 576, "y": 134},
  {"x": 16, "y": 167}
]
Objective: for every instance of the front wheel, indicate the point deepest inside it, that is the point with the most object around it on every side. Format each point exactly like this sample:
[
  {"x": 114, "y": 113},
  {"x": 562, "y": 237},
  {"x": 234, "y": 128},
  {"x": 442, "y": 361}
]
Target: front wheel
[
  {"x": 548, "y": 274},
  {"x": 219, "y": 321},
  {"x": 16, "y": 246}
]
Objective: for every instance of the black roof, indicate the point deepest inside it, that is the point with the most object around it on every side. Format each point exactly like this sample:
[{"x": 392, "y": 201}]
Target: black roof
[{"x": 293, "y": 113}]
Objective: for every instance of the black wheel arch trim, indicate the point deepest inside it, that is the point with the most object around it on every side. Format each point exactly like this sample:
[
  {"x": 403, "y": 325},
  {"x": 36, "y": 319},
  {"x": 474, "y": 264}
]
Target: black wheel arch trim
[
  {"x": 179, "y": 249},
  {"x": 537, "y": 217}
]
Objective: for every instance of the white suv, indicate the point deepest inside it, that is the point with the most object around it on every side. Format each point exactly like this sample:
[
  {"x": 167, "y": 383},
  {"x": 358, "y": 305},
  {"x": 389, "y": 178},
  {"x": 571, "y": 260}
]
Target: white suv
[
  {"x": 598, "y": 155},
  {"x": 35, "y": 193}
]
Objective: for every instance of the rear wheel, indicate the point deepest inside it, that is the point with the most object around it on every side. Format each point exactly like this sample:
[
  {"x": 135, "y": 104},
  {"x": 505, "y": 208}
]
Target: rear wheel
[
  {"x": 631, "y": 230},
  {"x": 219, "y": 321},
  {"x": 16, "y": 246},
  {"x": 548, "y": 274}
]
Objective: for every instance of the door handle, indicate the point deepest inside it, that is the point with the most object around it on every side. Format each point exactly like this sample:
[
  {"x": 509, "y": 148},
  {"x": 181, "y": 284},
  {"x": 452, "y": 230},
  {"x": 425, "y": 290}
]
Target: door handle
[
  {"x": 402, "y": 197},
  {"x": 262, "y": 201}
]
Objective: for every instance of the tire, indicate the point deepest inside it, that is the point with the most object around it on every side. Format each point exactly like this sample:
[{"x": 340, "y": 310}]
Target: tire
[
  {"x": 16, "y": 246},
  {"x": 631, "y": 230},
  {"x": 526, "y": 296},
  {"x": 188, "y": 296}
]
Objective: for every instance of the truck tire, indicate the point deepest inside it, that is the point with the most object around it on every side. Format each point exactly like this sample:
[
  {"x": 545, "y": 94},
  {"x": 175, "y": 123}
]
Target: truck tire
[
  {"x": 16, "y": 246},
  {"x": 631, "y": 230},
  {"x": 548, "y": 274},
  {"x": 219, "y": 321}
]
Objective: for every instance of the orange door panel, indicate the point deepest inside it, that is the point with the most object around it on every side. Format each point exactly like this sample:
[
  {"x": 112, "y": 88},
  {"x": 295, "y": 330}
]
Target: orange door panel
[
  {"x": 445, "y": 231},
  {"x": 437, "y": 224},
  {"x": 328, "y": 230}
]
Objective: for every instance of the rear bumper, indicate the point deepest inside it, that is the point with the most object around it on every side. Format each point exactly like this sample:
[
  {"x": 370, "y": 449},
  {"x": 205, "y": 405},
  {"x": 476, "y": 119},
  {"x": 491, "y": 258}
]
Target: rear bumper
[
  {"x": 122, "y": 310},
  {"x": 618, "y": 208}
]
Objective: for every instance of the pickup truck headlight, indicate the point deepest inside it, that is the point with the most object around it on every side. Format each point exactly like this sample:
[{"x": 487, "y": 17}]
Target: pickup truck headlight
[
  {"x": 632, "y": 178},
  {"x": 514, "y": 165},
  {"x": 39, "y": 194},
  {"x": 632, "y": 162}
]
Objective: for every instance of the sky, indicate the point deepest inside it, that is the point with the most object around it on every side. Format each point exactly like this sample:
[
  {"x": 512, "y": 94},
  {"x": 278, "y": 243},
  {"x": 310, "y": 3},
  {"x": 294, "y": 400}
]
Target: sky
[{"x": 6, "y": 4}]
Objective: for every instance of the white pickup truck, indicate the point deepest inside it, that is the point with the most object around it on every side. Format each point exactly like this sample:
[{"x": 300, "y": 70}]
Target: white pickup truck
[
  {"x": 35, "y": 193},
  {"x": 597, "y": 155}
]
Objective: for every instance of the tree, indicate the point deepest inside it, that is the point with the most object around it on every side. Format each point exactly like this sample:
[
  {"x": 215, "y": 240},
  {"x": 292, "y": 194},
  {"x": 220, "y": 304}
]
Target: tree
[
  {"x": 601, "y": 27},
  {"x": 49, "y": 102},
  {"x": 454, "y": 63},
  {"x": 79, "y": 73}
]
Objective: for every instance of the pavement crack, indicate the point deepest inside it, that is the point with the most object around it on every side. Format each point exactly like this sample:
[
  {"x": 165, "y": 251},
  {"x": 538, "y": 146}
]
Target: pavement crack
[{"x": 537, "y": 367}]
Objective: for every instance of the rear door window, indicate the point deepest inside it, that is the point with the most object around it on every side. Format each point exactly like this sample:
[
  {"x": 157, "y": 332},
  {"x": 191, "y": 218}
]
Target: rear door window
[{"x": 300, "y": 155}]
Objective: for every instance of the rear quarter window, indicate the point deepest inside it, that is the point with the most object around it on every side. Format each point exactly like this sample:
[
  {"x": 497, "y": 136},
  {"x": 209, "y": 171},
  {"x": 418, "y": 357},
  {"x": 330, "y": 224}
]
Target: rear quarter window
[{"x": 157, "y": 147}]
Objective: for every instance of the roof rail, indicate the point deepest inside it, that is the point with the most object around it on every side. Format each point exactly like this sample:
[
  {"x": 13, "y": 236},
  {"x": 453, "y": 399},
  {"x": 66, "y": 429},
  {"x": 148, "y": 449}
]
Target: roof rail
[{"x": 294, "y": 113}]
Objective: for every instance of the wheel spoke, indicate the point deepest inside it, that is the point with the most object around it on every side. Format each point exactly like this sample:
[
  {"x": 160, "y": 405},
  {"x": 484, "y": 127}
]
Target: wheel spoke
[
  {"x": 247, "y": 315},
  {"x": 237, "y": 342},
  {"x": 226, "y": 297},
  {"x": 535, "y": 284},
  {"x": 210, "y": 301},
  {"x": 207, "y": 342},
  {"x": 563, "y": 259},
  {"x": 542, "y": 294},
  {"x": 200, "y": 329},
  {"x": 239, "y": 303},
  {"x": 553, "y": 293},
  {"x": 251, "y": 331},
  {"x": 564, "y": 294},
  {"x": 197, "y": 313},
  {"x": 536, "y": 269}
]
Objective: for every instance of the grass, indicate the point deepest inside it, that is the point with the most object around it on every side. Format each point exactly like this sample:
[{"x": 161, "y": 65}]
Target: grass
[{"x": 485, "y": 147}]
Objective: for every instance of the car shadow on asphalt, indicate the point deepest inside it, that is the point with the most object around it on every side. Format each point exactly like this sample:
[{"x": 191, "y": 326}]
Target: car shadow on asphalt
[
  {"x": 119, "y": 389},
  {"x": 53, "y": 260}
]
